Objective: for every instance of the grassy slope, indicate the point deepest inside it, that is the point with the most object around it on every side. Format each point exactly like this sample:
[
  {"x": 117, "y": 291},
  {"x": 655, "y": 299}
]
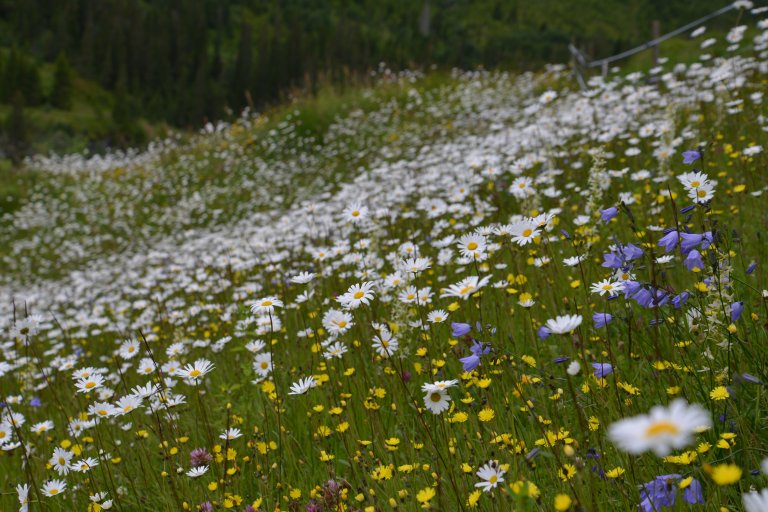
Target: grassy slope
[{"x": 364, "y": 423}]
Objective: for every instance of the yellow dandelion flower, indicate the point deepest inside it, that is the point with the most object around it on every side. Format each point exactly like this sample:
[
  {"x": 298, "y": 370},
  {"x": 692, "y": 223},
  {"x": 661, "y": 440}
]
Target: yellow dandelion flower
[
  {"x": 426, "y": 494},
  {"x": 474, "y": 498},
  {"x": 562, "y": 502},
  {"x": 486, "y": 415},
  {"x": 719, "y": 393},
  {"x": 725, "y": 474},
  {"x": 615, "y": 472}
]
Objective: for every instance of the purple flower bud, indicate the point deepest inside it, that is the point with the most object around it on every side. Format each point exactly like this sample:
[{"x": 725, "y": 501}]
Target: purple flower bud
[
  {"x": 751, "y": 268},
  {"x": 608, "y": 213},
  {"x": 544, "y": 332},
  {"x": 406, "y": 376},
  {"x": 205, "y": 507},
  {"x": 748, "y": 377},
  {"x": 736, "y": 309},
  {"x": 561, "y": 359},
  {"x": 687, "y": 208}
]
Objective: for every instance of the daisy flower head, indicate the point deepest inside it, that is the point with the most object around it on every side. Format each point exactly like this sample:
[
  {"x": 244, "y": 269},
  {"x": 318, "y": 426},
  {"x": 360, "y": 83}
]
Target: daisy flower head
[
  {"x": 465, "y": 287},
  {"x": 355, "y": 212},
  {"x": 563, "y": 324},
  {"x": 266, "y": 305},
  {"x": 53, "y": 487},
  {"x": 661, "y": 430},
  {"x": 230, "y": 434},
  {"x": 303, "y": 277},
  {"x": 60, "y": 460},
  {"x": 337, "y": 322},
  {"x": 472, "y": 246},
  {"x": 522, "y": 187},
  {"x": 197, "y": 471},
  {"x": 385, "y": 344},
  {"x": 262, "y": 364},
  {"x": 524, "y": 232},
  {"x": 336, "y": 350},
  {"x": 437, "y": 401},
  {"x": 90, "y": 384},
  {"x": 491, "y": 474},
  {"x": 702, "y": 194},
  {"x": 755, "y": 501},
  {"x": 693, "y": 180},
  {"x": 195, "y": 371},
  {"x": 129, "y": 349},
  {"x": 612, "y": 288},
  {"x": 302, "y": 386},
  {"x": 437, "y": 316},
  {"x": 357, "y": 294}
]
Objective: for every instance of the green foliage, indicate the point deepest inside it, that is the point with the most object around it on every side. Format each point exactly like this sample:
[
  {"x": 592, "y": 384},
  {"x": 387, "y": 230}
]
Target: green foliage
[
  {"x": 61, "y": 95},
  {"x": 189, "y": 62}
]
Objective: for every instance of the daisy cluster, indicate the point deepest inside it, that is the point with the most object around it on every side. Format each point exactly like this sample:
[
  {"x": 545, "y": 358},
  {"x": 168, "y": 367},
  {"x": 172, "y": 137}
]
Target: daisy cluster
[{"x": 496, "y": 293}]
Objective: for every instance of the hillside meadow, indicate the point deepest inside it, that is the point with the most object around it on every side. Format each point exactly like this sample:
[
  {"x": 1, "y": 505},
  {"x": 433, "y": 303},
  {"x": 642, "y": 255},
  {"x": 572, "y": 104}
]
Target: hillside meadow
[{"x": 467, "y": 291}]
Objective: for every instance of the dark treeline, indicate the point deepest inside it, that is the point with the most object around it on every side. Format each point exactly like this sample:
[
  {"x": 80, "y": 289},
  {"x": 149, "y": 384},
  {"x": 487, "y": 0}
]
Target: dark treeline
[{"x": 184, "y": 61}]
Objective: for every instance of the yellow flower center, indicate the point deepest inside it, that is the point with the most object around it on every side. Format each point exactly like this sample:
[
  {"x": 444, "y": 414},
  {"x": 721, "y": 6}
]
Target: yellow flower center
[
  {"x": 264, "y": 365},
  {"x": 266, "y": 303},
  {"x": 342, "y": 324},
  {"x": 195, "y": 373},
  {"x": 527, "y": 232},
  {"x": 472, "y": 246},
  {"x": 90, "y": 385},
  {"x": 695, "y": 184},
  {"x": 661, "y": 428},
  {"x": 608, "y": 287},
  {"x": 466, "y": 290},
  {"x": 493, "y": 479},
  {"x": 355, "y": 213},
  {"x": 701, "y": 193},
  {"x": 359, "y": 295},
  {"x": 435, "y": 396},
  {"x": 53, "y": 491}
]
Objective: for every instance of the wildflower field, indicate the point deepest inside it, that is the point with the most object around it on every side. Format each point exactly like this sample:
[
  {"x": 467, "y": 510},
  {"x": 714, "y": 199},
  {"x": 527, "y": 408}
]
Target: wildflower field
[{"x": 482, "y": 291}]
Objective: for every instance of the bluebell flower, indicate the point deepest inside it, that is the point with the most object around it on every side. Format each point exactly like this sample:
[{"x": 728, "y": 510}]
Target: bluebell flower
[
  {"x": 608, "y": 213},
  {"x": 561, "y": 359},
  {"x": 693, "y": 494},
  {"x": 690, "y": 156},
  {"x": 601, "y": 319},
  {"x": 690, "y": 241},
  {"x": 470, "y": 362},
  {"x": 613, "y": 260},
  {"x": 693, "y": 260},
  {"x": 602, "y": 369},
  {"x": 736, "y": 309},
  {"x": 751, "y": 268},
  {"x": 679, "y": 300},
  {"x": 460, "y": 329},
  {"x": 687, "y": 208},
  {"x": 669, "y": 241},
  {"x": 35, "y": 402},
  {"x": 659, "y": 492},
  {"x": 632, "y": 252},
  {"x": 478, "y": 349},
  {"x": 544, "y": 332}
]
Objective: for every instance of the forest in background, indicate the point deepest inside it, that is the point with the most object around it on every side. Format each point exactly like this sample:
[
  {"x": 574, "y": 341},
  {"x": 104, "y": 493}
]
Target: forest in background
[{"x": 106, "y": 70}]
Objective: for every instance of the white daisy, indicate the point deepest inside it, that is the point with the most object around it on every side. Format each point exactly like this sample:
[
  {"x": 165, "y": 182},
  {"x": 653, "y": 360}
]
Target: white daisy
[
  {"x": 491, "y": 474},
  {"x": 661, "y": 430}
]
